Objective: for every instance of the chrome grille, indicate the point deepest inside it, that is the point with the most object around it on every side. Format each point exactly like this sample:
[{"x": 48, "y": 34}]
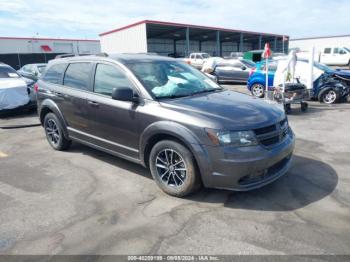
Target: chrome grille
[{"x": 272, "y": 134}]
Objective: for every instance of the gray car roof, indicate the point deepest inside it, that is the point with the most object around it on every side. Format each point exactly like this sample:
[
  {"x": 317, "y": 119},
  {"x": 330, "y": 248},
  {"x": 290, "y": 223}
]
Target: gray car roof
[{"x": 122, "y": 58}]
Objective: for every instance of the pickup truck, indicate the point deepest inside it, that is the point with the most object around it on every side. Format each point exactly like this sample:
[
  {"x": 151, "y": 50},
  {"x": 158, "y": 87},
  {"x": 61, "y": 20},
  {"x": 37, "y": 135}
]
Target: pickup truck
[
  {"x": 336, "y": 56},
  {"x": 197, "y": 59}
]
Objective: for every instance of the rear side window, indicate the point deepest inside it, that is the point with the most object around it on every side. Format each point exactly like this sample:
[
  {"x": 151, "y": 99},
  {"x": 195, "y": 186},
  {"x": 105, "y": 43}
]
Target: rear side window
[
  {"x": 327, "y": 50},
  {"x": 54, "y": 74},
  {"x": 108, "y": 77},
  {"x": 78, "y": 76}
]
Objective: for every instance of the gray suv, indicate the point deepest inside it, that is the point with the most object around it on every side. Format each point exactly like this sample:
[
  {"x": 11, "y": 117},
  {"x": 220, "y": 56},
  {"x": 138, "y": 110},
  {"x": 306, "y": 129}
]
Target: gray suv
[{"x": 165, "y": 115}]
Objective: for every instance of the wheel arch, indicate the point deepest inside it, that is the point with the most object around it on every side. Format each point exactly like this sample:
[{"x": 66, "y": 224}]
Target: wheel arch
[
  {"x": 48, "y": 106},
  {"x": 167, "y": 130}
]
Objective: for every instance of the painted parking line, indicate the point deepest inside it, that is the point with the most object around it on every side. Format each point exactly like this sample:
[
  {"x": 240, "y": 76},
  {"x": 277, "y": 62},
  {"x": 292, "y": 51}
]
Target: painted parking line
[{"x": 2, "y": 155}]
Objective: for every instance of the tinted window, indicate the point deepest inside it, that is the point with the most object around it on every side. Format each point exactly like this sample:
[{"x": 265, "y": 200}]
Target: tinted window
[
  {"x": 107, "y": 78},
  {"x": 198, "y": 57},
  {"x": 78, "y": 76},
  {"x": 336, "y": 50},
  {"x": 54, "y": 74},
  {"x": 8, "y": 72},
  {"x": 327, "y": 50}
]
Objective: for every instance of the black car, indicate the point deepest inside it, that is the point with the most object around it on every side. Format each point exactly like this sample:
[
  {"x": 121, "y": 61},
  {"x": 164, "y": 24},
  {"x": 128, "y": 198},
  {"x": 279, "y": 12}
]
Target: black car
[{"x": 168, "y": 116}]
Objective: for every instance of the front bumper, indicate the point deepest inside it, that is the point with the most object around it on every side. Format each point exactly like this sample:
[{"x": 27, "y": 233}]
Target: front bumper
[{"x": 247, "y": 168}]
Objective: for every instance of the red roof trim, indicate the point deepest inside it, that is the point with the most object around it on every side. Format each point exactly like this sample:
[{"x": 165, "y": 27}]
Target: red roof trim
[
  {"x": 55, "y": 39},
  {"x": 46, "y": 48},
  {"x": 184, "y": 25}
]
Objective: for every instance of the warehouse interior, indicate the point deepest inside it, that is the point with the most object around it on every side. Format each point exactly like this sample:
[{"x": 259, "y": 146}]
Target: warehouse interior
[{"x": 178, "y": 40}]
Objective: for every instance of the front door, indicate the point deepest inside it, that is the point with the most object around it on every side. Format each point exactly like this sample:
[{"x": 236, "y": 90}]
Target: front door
[{"x": 114, "y": 123}]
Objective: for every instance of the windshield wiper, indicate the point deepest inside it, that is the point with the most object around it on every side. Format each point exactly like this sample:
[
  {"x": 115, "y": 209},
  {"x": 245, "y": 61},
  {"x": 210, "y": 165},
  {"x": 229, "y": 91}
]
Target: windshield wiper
[
  {"x": 206, "y": 91},
  {"x": 173, "y": 96}
]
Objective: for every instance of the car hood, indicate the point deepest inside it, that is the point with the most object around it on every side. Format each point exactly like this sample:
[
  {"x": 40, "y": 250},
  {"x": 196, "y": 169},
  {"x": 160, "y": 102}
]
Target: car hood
[
  {"x": 227, "y": 109},
  {"x": 12, "y": 83}
]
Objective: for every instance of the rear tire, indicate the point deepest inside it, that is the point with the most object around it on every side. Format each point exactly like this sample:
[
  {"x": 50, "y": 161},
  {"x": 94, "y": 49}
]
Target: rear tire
[
  {"x": 258, "y": 90},
  {"x": 304, "y": 107},
  {"x": 54, "y": 133},
  {"x": 174, "y": 169}
]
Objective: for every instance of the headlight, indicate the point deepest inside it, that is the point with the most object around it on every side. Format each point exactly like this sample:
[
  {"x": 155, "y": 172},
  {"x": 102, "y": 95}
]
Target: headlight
[{"x": 232, "y": 138}]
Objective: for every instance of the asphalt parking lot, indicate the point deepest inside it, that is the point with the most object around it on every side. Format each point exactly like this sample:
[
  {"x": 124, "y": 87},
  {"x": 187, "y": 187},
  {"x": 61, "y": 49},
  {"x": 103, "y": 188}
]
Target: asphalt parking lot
[{"x": 87, "y": 202}]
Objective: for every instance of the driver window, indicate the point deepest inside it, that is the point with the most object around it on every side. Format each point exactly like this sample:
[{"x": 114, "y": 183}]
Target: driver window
[{"x": 108, "y": 77}]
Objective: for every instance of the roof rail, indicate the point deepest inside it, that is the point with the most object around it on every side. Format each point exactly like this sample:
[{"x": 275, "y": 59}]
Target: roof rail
[
  {"x": 70, "y": 55},
  {"x": 102, "y": 54}
]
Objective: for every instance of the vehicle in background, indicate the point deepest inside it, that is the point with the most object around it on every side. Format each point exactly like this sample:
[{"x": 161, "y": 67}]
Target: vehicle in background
[
  {"x": 233, "y": 70},
  {"x": 197, "y": 59},
  {"x": 257, "y": 78},
  {"x": 14, "y": 89},
  {"x": 330, "y": 87},
  {"x": 235, "y": 55},
  {"x": 32, "y": 71},
  {"x": 336, "y": 56},
  {"x": 168, "y": 116}
]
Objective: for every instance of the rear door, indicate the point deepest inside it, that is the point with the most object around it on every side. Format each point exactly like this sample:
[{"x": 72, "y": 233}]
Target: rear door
[
  {"x": 72, "y": 95},
  {"x": 326, "y": 56},
  {"x": 114, "y": 123}
]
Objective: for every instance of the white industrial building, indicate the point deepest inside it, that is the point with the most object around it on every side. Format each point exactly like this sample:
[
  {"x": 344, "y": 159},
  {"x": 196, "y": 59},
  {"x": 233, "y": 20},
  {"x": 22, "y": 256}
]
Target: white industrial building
[
  {"x": 175, "y": 39},
  {"x": 18, "y": 51},
  {"x": 304, "y": 44}
]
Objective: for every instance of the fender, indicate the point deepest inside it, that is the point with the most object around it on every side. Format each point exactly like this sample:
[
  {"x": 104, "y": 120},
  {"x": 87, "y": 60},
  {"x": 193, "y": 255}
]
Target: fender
[
  {"x": 48, "y": 103},
  {"x": 181, "y": 133}
]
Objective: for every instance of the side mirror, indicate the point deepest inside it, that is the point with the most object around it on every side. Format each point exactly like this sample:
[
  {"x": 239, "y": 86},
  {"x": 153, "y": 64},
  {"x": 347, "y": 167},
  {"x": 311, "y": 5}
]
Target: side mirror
[
  {"x": 243, "y": 68},
  {"x": 125, "y": 94}
]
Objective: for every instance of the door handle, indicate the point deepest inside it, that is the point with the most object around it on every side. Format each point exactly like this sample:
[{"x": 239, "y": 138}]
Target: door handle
[{"x": 93, "y": 103}]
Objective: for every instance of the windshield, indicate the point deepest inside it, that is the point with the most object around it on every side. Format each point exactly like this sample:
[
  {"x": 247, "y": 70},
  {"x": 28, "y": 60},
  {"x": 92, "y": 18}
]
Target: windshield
[
  {"x": 205, "y": 56},
  {"x": 41, "y": 68},
  {"x": 248, "y": 63},
  {"x": 170, "y": 79},
  {"x": 8, "y": 72},
  {"x": 347, "y": 49}
]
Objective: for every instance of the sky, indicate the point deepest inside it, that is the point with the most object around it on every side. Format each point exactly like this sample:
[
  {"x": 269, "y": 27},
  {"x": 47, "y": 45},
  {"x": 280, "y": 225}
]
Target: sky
[{"x": 86, "y": 18}]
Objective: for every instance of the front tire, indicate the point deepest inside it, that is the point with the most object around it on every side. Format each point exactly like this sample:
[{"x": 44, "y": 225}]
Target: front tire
[
  {"x": 173, "y": 168},
  {"x": 54, "y": 133},
  {"x": 330, "y": 97},
  {"x": 257, "y": 90}
]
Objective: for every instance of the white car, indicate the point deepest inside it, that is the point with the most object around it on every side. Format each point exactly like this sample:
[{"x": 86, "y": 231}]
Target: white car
[
  {"x": 14, "y": 91},
  {"x": 336, "y": 56},
  {"x": 197, "y": 59}
]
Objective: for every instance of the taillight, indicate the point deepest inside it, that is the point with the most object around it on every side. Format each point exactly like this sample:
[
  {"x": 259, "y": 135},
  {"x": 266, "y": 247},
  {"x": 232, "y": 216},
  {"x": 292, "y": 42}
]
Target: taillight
[
  {"x": 36, "y": 87},
  {"x": 252, "y": 71}
]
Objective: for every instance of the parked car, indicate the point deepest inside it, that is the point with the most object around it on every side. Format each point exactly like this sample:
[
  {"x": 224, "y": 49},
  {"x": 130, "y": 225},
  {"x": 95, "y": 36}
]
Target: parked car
[
  {"x": 197, "y": 59},
  {"x": 233, "y": 70},
  {"x": 337, "y": 56},
  {"x": 235, "y": 55},
  {"x": 168, "y": 116},
  {"x": 14, "y": 89},
  {"x": 330, "y": 87},
  {"x": 32, "y": 71}
]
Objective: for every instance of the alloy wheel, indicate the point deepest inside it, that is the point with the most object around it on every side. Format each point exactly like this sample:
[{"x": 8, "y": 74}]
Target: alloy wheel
[
  {"x": 258, "y": 90},
  {"x": 330, "y": 97},
  {"x": 171, "y": 167},
  {"x": 52, "y": 132}
]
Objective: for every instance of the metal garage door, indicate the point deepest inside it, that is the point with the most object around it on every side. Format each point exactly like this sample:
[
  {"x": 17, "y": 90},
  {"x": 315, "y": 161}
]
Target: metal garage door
[{"x": 63, "y": 47}]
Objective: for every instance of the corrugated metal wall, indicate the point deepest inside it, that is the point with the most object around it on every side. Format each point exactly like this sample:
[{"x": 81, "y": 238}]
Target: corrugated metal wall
[
  {"x": 320, "y": 43},
  {"x": 132, "y": 40},
  {"x": 33, "y": 46}
]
